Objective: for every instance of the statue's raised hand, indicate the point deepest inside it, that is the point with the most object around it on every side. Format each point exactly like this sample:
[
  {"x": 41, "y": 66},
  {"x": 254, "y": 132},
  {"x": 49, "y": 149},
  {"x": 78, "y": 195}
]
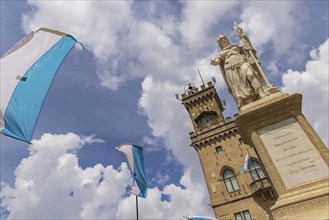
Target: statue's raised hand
[{"x": 240, "y": 31}]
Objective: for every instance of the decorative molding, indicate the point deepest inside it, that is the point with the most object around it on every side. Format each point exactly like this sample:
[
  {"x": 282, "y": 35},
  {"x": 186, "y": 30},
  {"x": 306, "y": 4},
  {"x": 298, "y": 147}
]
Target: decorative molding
[{"x": 217, "y": 137}]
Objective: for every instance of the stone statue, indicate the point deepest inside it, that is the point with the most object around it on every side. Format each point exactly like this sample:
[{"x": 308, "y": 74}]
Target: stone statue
[{"x": 241, "y": 69}]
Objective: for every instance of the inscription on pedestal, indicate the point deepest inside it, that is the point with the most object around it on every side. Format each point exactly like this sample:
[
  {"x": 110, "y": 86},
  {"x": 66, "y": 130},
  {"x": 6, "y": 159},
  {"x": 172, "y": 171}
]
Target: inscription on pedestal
[{"x": 293, "y": 154}]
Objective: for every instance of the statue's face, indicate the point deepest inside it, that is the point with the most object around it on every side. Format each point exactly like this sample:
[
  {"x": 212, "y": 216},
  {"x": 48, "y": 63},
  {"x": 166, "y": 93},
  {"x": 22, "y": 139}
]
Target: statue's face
[{"x": 223, "y": 42}]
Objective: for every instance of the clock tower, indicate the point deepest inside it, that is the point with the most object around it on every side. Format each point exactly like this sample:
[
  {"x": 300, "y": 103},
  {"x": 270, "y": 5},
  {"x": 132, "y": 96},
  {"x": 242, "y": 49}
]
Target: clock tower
[
  {"x": 233, "y": 194},
  {"x": 205, "y": 108}
]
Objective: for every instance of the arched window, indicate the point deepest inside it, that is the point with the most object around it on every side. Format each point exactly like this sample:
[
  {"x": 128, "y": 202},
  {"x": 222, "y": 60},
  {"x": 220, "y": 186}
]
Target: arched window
[
  {"x": 256, "y": 171},
  {"x": 230, "y": 181}
]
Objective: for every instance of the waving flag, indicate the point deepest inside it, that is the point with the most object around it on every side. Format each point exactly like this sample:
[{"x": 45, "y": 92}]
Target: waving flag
[
  {"x": 136, "y": 162},
  {"x": 247, "y": 164},
  {"x": 134, "y": 190},
  {"x": 27, "y": 71}
]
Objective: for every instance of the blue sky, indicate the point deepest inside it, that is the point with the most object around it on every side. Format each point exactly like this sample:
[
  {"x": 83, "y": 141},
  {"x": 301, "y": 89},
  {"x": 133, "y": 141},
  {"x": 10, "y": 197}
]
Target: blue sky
[{"x": 122, "y": 89}]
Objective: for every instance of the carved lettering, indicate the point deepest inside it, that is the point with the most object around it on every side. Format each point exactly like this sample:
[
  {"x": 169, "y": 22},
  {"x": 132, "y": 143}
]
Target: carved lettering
[{"x": 292, "y": 152}]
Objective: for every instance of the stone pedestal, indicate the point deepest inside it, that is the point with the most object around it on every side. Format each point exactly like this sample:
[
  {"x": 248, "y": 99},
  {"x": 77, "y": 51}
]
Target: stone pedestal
[{"x": 295, "y": 158}]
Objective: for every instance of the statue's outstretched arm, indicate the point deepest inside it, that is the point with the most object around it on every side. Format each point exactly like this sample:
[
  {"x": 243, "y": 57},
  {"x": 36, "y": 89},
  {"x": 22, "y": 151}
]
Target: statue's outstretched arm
[{"x": 216, "y": 61}]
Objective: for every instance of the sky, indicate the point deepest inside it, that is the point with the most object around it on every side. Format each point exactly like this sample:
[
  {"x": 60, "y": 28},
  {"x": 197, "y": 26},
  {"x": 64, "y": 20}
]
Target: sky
[{"x": 121, "y": 89}]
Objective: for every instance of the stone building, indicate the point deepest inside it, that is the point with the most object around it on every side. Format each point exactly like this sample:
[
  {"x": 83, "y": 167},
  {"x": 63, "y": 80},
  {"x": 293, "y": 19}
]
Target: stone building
[{"x": 222, "y": 153}]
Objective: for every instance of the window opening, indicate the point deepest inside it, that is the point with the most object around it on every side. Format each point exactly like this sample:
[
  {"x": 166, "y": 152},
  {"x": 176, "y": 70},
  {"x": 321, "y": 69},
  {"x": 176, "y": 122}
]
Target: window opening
[
  {"x": 245, "y": 215},
  {"x": 219, "y": 149},
  {"x": 230, "y": 181},
  {"x": 256, "y": 171}
]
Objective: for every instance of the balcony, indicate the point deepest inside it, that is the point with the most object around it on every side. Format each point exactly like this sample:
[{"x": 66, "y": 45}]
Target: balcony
[{"x": 258, "y": 187}]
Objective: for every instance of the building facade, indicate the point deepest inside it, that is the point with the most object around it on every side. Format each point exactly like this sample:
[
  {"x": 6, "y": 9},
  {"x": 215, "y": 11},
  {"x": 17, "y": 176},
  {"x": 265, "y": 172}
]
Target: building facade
[{"x": 222, "y": 153}]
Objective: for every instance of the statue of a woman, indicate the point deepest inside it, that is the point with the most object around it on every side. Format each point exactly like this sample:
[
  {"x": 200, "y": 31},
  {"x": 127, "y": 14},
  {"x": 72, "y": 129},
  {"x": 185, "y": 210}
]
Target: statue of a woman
[{"x": 238, "y": 66}]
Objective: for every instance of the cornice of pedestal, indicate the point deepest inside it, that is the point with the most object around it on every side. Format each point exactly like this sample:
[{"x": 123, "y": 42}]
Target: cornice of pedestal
[{"x": 267, "y": 111}]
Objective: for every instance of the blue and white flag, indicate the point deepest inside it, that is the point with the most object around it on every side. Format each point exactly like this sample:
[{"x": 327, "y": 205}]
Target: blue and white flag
[
  {"x": 136, "y": 162},
  {"x": 199, "y": 218},
  {"x": 27, "y": 71},
  {"x": 247, "y": 164}
]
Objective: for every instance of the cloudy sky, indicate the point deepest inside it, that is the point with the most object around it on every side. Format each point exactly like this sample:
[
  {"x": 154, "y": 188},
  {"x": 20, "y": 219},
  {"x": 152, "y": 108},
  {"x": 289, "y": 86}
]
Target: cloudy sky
[{"x": 122, "y": 89}]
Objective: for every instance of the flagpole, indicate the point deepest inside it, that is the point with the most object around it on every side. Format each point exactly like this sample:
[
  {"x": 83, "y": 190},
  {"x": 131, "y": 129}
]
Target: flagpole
[{"x": 136, "y": 207}]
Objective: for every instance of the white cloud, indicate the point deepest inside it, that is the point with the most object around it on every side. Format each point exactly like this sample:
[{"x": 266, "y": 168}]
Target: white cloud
[
  {"x": 273, "y": 69},
  {"x": 87, "y": 20},
  {"x": 160, "y": 180},
  {"x": 125, "y": 48},
  {"x": 198, "y": 19},
  {"x": 313, "y": 84},
  {"x": 280, "y": 25},
  {"x": 167, "y": 117},
  {"x": 181, "y": 202},
  {"x": 50, "y": 183}
]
